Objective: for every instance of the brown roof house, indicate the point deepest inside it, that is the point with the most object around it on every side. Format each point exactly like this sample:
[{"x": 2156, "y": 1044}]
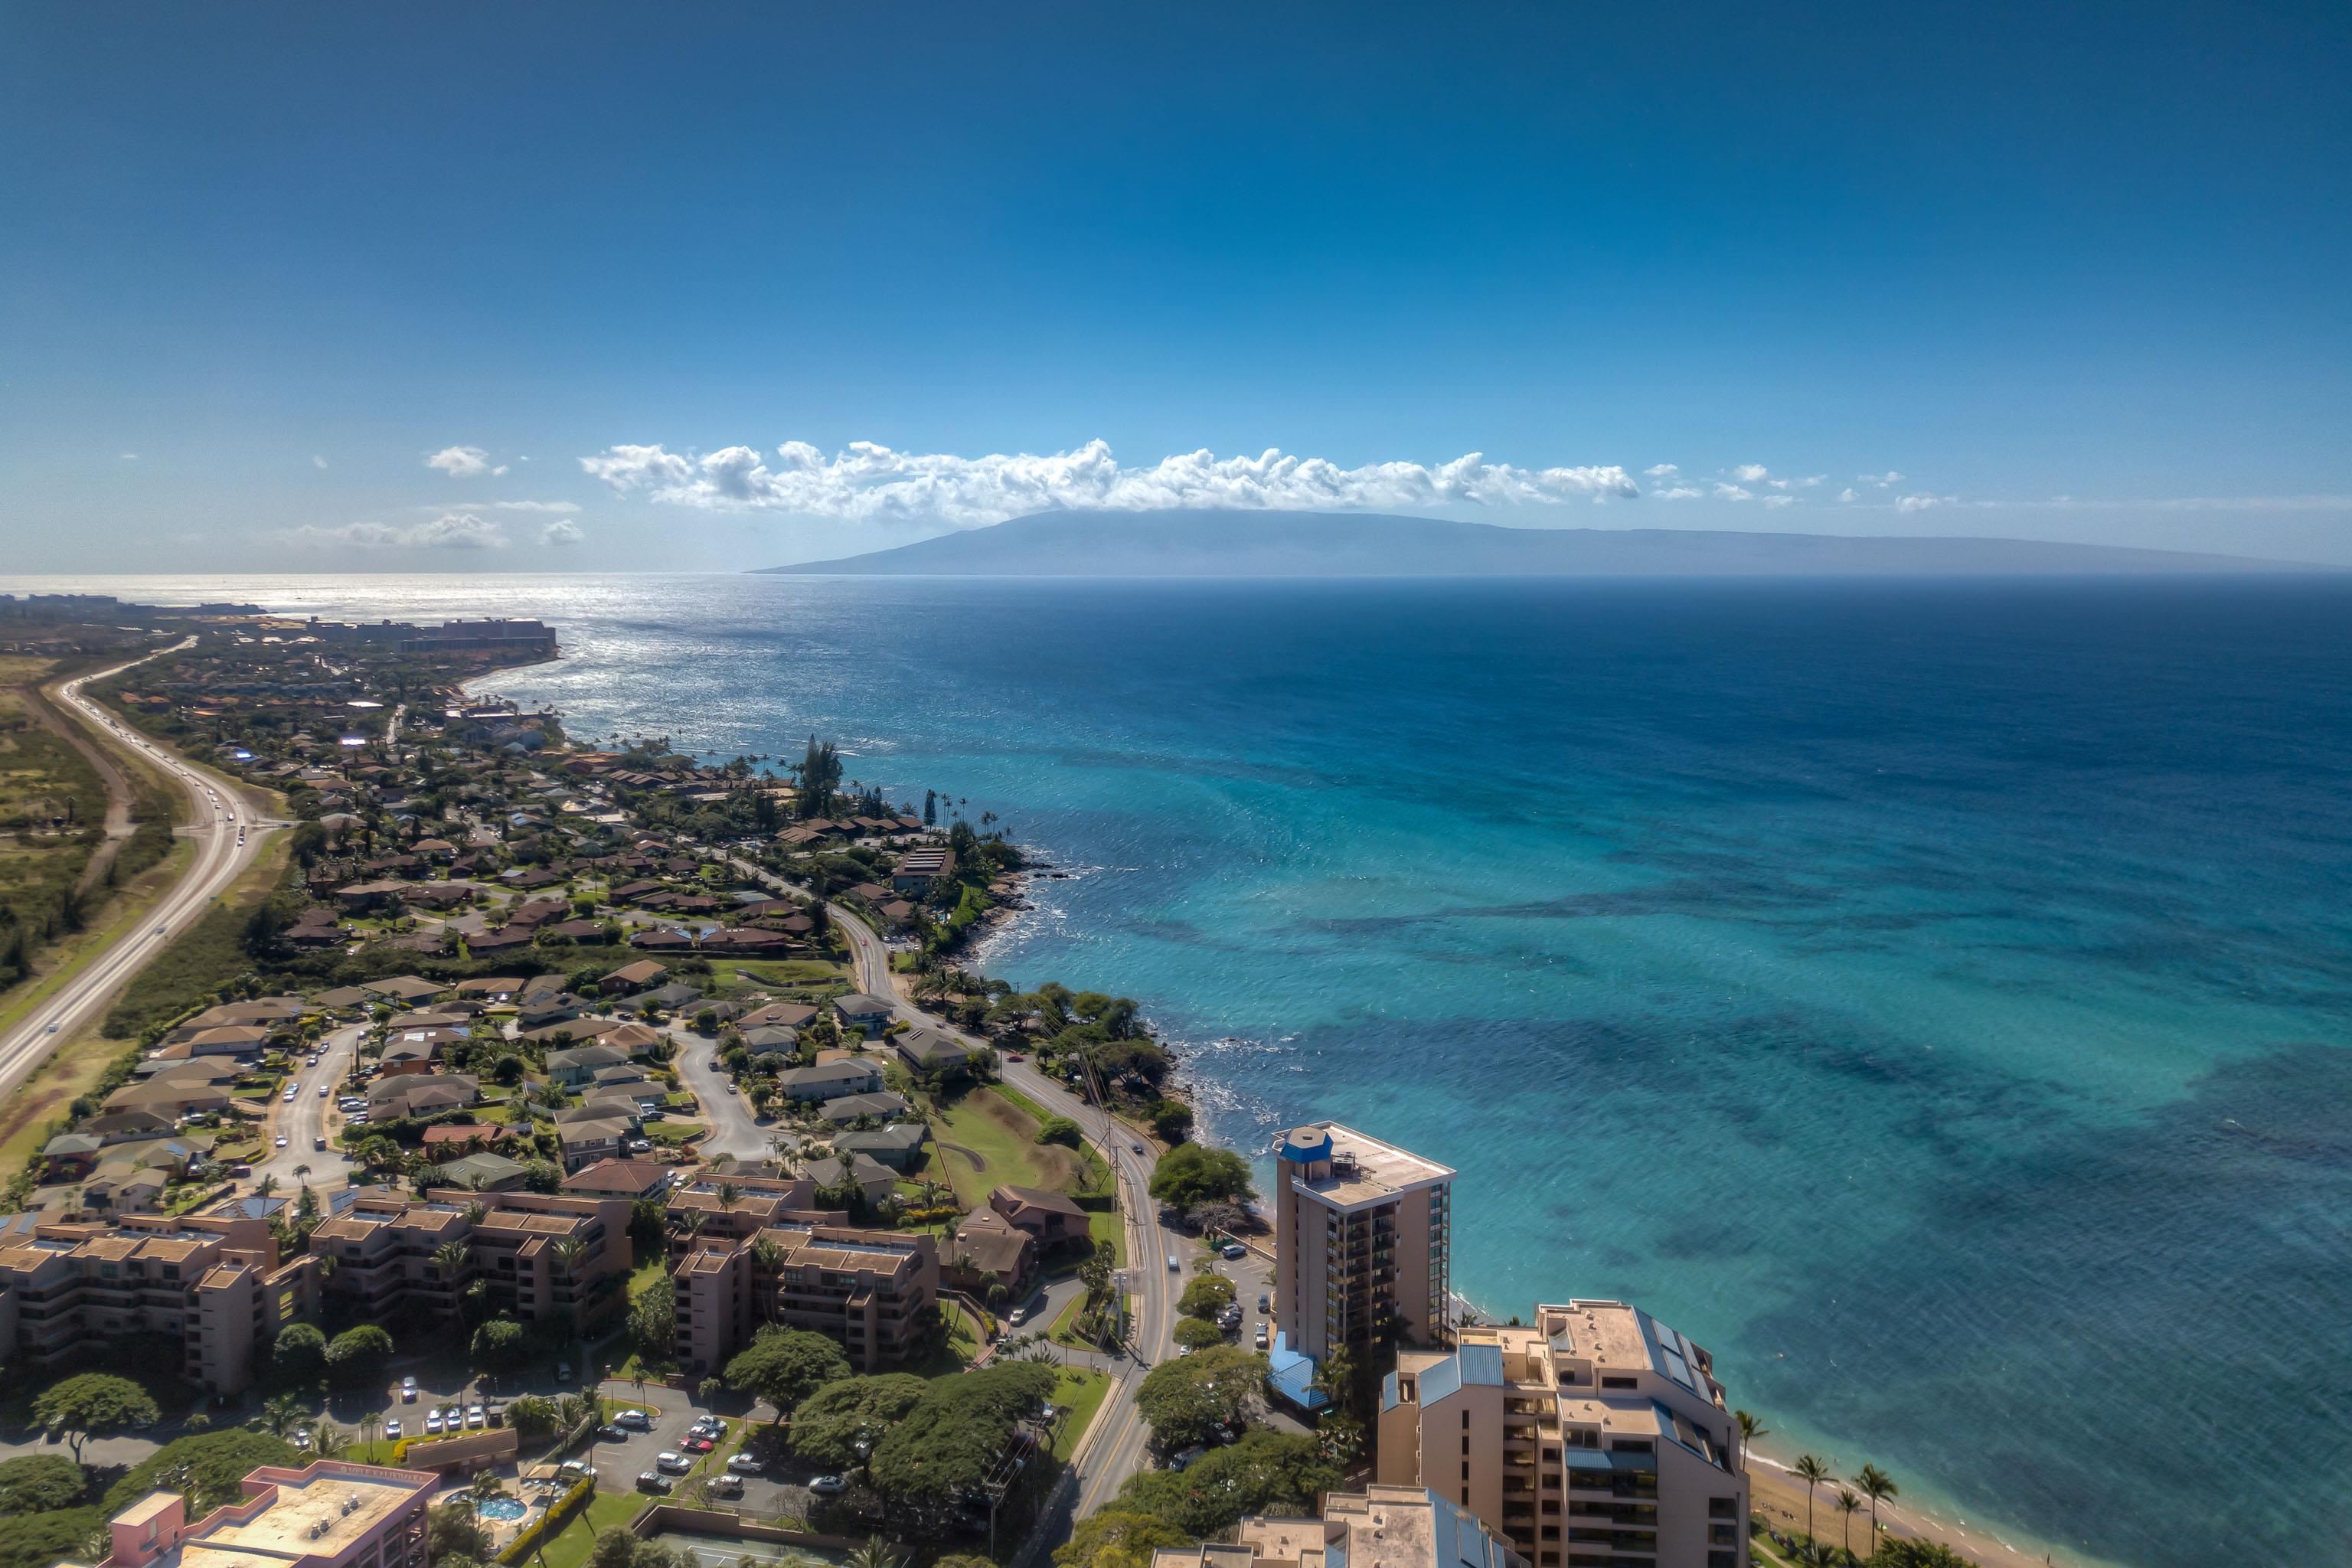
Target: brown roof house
[{"x": 1047, "y": 1215}]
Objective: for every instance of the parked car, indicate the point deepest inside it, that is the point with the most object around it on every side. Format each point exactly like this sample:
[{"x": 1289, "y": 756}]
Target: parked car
[
  {"x": 576, "y": 1470},
  {"x": 1184, "y": 1456},
  {"x": 408, "y": 1391},
  {"x": 744, "y": 1464},
  {"x": 281, "y": 1140},
  {"x": 1261, "y": 1340},
  {"x": 474, "y": 1418},
  {"x": 433, "y": 1423},
  {"x": 1265, "y": 1304},
  {"x": 1234, "y": 1250},
  {"x": 563, "y": 1372},
  {"x": 608, "y": 1433},
  {"x": 829, "y": 1486},
  {"x": 726, "y": 1486},
  {"x": 696, "y": 1445},
  {"x": 319, "y": 1141},
  {"x": 648, "y": 1481},
  {"x": 671, "y": 1463},
  {"x": 635, "y": 1420},
  {"x": 1018, "y": 1316},
  {"x": 391, "y": 1428}
]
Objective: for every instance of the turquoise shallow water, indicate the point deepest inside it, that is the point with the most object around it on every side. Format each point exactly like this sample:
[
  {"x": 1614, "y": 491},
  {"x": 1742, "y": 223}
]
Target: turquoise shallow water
[{"x": 1932, "y": 997}]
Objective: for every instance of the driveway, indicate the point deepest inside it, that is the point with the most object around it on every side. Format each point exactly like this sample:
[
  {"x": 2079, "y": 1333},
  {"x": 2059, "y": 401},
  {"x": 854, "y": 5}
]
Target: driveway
[{"x": 733, "y": 1128}]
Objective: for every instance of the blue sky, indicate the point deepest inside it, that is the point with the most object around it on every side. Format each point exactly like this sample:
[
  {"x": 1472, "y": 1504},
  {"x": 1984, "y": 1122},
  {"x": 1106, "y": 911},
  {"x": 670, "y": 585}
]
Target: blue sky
[{"x": 263, "y": 264}]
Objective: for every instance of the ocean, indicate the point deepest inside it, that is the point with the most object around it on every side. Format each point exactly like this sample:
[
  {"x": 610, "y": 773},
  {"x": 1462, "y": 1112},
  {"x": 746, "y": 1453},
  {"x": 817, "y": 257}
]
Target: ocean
[{"x": 1931, "y": 996}]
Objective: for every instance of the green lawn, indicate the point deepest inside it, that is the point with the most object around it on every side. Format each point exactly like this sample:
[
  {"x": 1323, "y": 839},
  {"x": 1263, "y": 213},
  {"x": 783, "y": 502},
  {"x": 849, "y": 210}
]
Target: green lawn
[
  {"x": 1105, "y": 1224},
  {"x": 1008, "y": 1154},
  {"x": 605, "y": 1511},
  {"x": 1082, "y": 1389}
]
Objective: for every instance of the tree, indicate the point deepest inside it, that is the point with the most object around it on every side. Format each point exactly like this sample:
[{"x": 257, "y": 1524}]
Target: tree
[
  {"x": 1750, "y": 1429},
  {"x": 358, "y": 1356},
  {"x": 1193, "y": 1173},
  {"x": 208, "y": 1469},
  {"x": 91, "y": 1405},
  {"x": 453, "y": 1531},
  {"x": 653, "y": 1325},
  {"x": 283, "y": 1415},
  {"x": 39, "y": 1483},
  {"x": 784, "y": 1366},
  {"x": 1060, "y": 1129},
  {"x": 1847, "y": 1505},
  {"x": 501, "y": 1345},
  {"x": 1198, "y": 1333},
  {"x": 876, "y": 1553},
  {"x": 1266, "y": 1472},
  {"x": 1206, "y": 1296},
  {"x": 1171, "y": 1120},
  {"x": 836, "y": 1427},
  {"x": 951, "y": 1439},
  {"x": 1811, "y": 1471},
  {"x": 1877, "y": 1486},
  {"x": 299, "y": 1353},
  {"x": 533, "y": 1415},
  {"x": 1114, "y": 1538},
  {"x": 1187, "y": 1399},
  {"x": 39, "y": 1539}
]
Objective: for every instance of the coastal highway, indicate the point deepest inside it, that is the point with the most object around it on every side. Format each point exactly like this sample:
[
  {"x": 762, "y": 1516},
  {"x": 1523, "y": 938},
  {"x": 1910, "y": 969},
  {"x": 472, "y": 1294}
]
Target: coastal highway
[
  {"x": 1119, "y": 1443},
  {"x": 227, "y": 838}
]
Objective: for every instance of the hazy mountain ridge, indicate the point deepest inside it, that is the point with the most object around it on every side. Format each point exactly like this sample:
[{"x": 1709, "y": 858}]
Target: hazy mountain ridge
[{"x": 1356, "y": 544}]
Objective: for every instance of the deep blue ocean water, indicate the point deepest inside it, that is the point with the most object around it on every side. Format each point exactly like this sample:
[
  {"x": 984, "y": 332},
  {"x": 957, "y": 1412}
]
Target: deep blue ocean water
[{"x": 1932, "y": 997}]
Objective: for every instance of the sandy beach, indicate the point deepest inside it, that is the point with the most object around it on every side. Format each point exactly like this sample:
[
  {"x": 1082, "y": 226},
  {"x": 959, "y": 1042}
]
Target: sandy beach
[{"x": 1780, "y": 1498}]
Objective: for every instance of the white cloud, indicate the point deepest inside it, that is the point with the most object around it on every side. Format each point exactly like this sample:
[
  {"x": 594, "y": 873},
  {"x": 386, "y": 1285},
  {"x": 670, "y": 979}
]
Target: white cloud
[
  {"x": 450, "y": 531},
  {"x": 1732, "y": 492},
  {"x": 1748, "y": 473},
  {"x": 560, "y": 532},
  {"x": 461, "y": 462},
  {"x": 317, "y": 461},
  {"x": 559, "y": 505},
  {"x": 1847, "y": 494},
  {"x": 1773, "y": 503},
  {"x": 497, "y": 471},
  {"x": 1663, "y": 471},
  {"x": 1918, "y": 503},
  {"x": 1810, "y": 480},
  {"x": 1679, "y": 492},
  {"x": 865, "y": 482},
  {"x": 129, "y": 457},
  {"x": 1882, "y": 480},
  {"x": 1781, "y": 484}
]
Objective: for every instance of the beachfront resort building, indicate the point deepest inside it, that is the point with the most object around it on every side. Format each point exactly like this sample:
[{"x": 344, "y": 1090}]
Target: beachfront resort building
[
  {"x": 211, "y": 1284},
  {"x": 1379, "y": 1527},
  {"x": 331, "y": 1514},
  {"x": 1360, "y": 1243},
  {"x": 1597, "y": 1437}
]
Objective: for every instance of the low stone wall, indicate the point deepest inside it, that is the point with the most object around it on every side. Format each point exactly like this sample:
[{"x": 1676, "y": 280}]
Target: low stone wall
[{"x": 664, "y": 1516}]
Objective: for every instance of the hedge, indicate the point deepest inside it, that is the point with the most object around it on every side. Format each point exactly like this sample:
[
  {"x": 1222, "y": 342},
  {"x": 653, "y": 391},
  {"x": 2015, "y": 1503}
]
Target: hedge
[{"x": 551, "y": 1523}]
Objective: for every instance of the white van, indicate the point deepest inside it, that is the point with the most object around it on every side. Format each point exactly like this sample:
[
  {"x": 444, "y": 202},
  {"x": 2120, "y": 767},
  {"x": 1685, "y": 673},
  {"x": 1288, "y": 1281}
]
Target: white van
[{"x": 1172, "y": 1265}]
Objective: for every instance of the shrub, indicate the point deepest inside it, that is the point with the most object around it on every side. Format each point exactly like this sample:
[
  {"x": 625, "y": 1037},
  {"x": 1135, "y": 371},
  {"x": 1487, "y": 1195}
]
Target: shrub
[{"x": 358, "y": 1356}]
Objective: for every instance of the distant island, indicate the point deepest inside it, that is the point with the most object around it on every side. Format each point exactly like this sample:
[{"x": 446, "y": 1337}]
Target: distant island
[{"x": 1356, "y": 544}]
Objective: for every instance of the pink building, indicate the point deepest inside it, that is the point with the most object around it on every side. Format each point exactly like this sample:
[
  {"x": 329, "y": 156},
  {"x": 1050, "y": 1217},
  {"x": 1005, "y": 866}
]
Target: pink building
[{"x": 329, "y": 1515}]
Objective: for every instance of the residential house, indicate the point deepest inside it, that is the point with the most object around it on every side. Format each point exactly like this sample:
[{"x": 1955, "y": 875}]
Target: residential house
[
  {"x": 829, "y": 1080},
  {"x": 1050, "y": 1216},
  {"x": 416, "y": 1094},
  {"x": 631, "y": 1179},
  {"x": 861, "y": 1014},
  {"x": 899, "y": 1145},
  {"x": 641, "y": 975},
  {"x": 990, "y": 1249},
  {"x": 577, "y": 1067},
  {"x": 926, "y": 1051},
  {"x": 849, "y": 1108}
]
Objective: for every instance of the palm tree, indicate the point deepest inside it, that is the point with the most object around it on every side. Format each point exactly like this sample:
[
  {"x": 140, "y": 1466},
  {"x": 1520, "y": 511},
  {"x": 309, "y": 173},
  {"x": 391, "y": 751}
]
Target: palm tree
[
  {"x": 301, "y": 1174},
  {"x": 267, "y": 1186},
  {"x": 371, "y": 1423},
  {"x": 875, "y": 1553},
  {"x": 1877, "y": 1486},
  {"x": 571, "y": 1252},
  {"x": 1812, "y": 1472},
  {"x": 282, "y": 1414},
  {"x": 767, "y": 1253},
  {"x": 329, "y": 1441},
  {"x": 729, "y": 1194},
  {"x": 1749, "y": 1429},
  {"x": 1847, "y": 1503}
]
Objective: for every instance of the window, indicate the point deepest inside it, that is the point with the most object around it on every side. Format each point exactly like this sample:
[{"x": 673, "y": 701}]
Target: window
[
  {"x": 1616, "y": 1382},
  {"x": 1631, "y": 1446},
  {"x": 1466, "y": 1472},
  {"x": 1465, "y": 1421},
  {"x": 1465, "y": 1444},
  {"x": 1723, "y": 1508}
]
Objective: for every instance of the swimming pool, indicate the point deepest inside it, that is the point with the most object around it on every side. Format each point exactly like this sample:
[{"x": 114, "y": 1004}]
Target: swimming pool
[{"x": 500, "y": 1508}]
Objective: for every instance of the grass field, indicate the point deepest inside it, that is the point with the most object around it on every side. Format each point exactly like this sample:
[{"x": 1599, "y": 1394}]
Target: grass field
[
  {"x": 734, "y": 974},
  {"x": 605, "y": 1511},
  {"x": 985, "y": 1141},
  {"x": 1082, "y": 1389}
]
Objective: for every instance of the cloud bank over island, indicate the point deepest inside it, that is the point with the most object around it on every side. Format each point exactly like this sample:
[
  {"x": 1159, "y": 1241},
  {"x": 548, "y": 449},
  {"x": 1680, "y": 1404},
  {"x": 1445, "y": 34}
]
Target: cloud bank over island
[{"x": 869, "y": 482}]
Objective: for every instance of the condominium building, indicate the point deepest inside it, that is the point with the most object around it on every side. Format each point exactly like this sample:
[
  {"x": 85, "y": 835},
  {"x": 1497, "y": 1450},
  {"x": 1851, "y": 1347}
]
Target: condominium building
[
  {"x": 213, "y": 1283},
  {"x": 872, "y": 1290},
  {"x": 538, "y": 1253},
  {"x": 722, "y": 1209},
  {"x": 1379, "y": 1527},
  {"x": 1360, "y": 1244},
  {"x": 331, "y": 1514},
  {"x": 1597, "y": 1439}
]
